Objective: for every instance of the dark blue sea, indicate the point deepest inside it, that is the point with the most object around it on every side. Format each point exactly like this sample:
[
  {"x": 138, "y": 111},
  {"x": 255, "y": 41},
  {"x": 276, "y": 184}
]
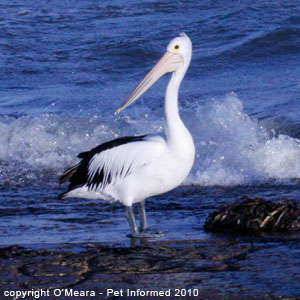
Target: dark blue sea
[{"x": 66, "y": 66}]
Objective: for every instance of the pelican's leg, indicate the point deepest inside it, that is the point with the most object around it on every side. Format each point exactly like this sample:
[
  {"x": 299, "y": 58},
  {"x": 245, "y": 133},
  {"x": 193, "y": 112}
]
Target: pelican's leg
[
  {"x": 134, "y": 233},
  {"x": 131, "y": 219},
  {"x": 143, "y": 220}
]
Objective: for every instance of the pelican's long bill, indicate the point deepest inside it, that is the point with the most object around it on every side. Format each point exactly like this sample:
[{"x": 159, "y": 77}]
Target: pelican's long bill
[{"x": 168, "y": 63}]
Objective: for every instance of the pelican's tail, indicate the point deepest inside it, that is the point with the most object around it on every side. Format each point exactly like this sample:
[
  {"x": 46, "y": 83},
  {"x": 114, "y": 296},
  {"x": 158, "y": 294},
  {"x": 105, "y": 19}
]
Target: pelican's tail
[
  {"x": 68, "y": 174},
  {"x": 66, "y": 178},
  {"x": 62, "y": 195}
]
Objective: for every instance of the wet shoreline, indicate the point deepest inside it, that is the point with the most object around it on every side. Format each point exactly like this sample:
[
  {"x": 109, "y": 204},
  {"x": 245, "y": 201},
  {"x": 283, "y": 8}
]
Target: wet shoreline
[
  {"x": 220, "y": 268},
  {"x": 214, "y": 266}
]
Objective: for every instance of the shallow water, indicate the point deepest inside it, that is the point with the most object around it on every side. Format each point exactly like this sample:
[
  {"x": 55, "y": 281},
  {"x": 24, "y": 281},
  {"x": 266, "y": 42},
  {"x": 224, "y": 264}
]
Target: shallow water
[{"x": 68, "y": 65}]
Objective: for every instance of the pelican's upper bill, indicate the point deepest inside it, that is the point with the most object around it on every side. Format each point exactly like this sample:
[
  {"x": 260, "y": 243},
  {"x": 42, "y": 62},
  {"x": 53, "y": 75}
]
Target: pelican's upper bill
[{"x": 176, "y": 57}]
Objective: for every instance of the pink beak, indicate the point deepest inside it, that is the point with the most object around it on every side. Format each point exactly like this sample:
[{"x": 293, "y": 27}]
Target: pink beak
[{"x": 170, "y": 62}]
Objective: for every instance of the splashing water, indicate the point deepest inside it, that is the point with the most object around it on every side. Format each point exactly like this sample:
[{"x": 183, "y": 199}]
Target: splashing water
[
  {"x": 232, "y": 148},
  {"x": 235, "y": 149}
]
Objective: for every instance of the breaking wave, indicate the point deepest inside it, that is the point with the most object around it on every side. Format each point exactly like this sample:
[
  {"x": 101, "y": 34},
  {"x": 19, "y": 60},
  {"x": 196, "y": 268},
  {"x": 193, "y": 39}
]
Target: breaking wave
[{"x": 231, "y": 147}]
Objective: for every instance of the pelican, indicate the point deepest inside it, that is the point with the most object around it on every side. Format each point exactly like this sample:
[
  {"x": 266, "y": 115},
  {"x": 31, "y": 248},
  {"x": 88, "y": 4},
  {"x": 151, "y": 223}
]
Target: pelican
[{"x": 132, "y": 168}]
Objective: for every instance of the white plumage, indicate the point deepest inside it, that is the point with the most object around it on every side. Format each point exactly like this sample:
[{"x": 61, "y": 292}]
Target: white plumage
[
  {"x": 131, "y": 169},
  {"x": 122, "y": 167}
]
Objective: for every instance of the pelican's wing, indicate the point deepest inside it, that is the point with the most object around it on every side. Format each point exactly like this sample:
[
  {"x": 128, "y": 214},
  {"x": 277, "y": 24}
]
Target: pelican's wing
[{"x": 113, "y": 161}]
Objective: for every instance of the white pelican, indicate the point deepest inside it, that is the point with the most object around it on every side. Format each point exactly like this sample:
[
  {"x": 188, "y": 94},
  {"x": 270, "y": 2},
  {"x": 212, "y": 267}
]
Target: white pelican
[{"x": 131, "y": 169}]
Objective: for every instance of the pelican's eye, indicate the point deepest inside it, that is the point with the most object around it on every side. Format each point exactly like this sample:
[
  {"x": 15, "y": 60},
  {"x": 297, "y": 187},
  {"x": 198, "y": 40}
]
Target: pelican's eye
[{"x": 176, "y": 47}]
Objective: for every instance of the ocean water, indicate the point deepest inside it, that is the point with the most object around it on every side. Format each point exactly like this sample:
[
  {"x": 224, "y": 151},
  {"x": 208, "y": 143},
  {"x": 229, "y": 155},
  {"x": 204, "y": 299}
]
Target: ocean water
[{"x": 66, "y": 66}]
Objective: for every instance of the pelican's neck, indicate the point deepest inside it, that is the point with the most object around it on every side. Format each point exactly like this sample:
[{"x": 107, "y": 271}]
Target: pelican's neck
[
  {"x": 171, "y": 99},
  {"x": 176, "y": 132}
]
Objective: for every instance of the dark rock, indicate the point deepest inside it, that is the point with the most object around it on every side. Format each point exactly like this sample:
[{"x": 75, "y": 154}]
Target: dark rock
[
  {"x": 255, "y": 215},
  {"x": 11, "y": 251},
  {"x": 214, "y": 269}
]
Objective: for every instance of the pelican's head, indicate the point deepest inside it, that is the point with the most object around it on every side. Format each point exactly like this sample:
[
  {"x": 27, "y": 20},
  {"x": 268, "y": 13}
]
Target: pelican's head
[
  {"x": 181, "y": 45},
  {"x": 176, "y": 59}
]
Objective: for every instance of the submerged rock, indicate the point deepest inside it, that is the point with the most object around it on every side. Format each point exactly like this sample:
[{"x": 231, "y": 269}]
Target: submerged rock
[
  {"x": 96, "y": 268},
  {"x": 255, "y": 215}
]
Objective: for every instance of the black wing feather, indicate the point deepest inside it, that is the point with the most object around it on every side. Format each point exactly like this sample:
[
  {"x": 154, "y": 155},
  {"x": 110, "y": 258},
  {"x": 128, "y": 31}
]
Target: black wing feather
[
  {"x": 111, "y": 144},
  {"x": 78, "y": 174}
]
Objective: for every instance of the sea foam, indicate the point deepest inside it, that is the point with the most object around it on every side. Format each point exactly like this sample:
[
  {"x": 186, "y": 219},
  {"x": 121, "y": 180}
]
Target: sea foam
[{"x": 231, "y": 147}]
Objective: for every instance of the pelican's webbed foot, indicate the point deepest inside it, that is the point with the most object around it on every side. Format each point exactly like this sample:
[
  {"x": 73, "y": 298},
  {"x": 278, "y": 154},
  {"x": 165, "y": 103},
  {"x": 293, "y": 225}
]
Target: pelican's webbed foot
[{"x": 144, "y": 232}]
